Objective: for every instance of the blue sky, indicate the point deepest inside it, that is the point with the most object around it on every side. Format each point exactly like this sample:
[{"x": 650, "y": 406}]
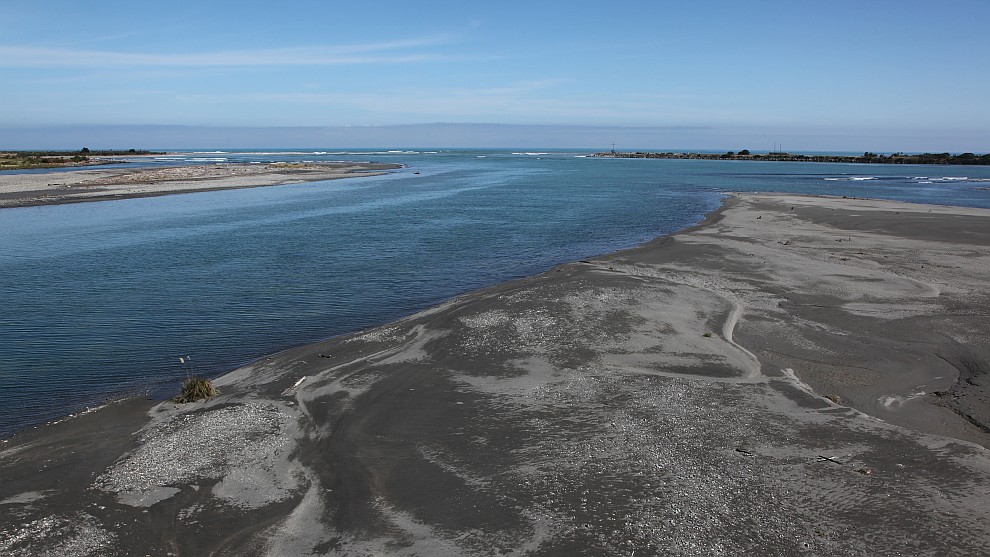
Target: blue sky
[{"x": 878, "y": 75}]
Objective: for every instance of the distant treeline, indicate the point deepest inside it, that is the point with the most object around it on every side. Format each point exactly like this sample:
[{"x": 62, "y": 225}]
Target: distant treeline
[
  {"x": 85, "y": 152},
  {"x": 871, "y": 158},
  {"x": 20, "y": 160}
]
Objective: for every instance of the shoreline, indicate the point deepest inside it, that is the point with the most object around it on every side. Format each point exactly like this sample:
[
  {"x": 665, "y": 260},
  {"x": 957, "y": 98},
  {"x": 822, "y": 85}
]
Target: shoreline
[
  {"x": 76, "y": 186},
  {"x": 944, "y": 159},
  {"x": 725, "y": 386}
]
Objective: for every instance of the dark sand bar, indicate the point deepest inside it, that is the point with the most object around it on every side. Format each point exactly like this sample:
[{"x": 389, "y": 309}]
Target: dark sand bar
[
  {"x": 25, "y": 190},
  {"x": 796, "y": 376}
]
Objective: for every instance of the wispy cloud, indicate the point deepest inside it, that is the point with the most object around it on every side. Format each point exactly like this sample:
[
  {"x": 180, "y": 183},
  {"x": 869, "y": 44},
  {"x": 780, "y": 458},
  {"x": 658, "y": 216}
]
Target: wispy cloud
[
  {"x": 423, "y": 101},
  {"x": 540, "y": 101},
  {"x": 392, "y": 52}
]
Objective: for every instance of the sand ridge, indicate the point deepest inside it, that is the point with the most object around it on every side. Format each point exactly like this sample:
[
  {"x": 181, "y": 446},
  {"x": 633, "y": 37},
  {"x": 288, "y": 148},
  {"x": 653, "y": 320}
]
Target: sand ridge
[{"x": 22, "y": 190}]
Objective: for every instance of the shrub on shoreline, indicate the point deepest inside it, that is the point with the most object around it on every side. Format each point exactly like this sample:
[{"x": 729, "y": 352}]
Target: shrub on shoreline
[{"x": 195, "y": 389}]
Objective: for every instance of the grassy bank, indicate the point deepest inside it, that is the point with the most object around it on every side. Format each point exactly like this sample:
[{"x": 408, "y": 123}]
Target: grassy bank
[{"x": 21, "y": 160}]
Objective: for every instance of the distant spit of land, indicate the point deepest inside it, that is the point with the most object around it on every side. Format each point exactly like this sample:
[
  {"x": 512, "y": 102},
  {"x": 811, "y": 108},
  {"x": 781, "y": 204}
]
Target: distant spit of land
[
  {"x": 873, "y": 158},
  {"x": 22, "y": 160},
  {"x": 51, "y": 188}
]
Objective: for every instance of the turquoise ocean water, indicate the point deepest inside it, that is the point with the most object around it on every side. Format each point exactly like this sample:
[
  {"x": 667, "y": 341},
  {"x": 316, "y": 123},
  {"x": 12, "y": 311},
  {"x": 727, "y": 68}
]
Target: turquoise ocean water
[{"x": 101, "y": 299}]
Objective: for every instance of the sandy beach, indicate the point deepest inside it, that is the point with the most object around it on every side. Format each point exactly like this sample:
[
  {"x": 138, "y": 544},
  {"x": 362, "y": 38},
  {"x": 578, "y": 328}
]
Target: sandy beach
[
  {"x": 22, "y": 190},
  {"x": 795, "y": 376}
]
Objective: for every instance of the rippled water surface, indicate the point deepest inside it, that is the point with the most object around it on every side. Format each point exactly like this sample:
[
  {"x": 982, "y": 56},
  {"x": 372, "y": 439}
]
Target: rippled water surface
[{"x": 101, "y": 299}]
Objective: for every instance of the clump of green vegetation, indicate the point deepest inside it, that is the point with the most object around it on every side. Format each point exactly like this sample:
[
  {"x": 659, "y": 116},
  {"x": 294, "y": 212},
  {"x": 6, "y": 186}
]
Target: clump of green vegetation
[
  {"x": 196, "y": 388},
  {"x": 18, "y": 160},
  {"x": 707, "y": 335}
]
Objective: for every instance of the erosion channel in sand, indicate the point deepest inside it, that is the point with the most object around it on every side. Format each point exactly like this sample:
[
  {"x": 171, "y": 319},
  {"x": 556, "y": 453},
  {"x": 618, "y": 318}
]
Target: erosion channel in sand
[
  {"x": 21, "y": 190},
  {"x": 668, "y": 399}
]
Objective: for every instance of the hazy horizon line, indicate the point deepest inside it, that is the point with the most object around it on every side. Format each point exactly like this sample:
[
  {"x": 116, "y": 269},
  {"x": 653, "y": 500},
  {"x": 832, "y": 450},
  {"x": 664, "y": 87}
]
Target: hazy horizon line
[{"x": 486, "y": 135}]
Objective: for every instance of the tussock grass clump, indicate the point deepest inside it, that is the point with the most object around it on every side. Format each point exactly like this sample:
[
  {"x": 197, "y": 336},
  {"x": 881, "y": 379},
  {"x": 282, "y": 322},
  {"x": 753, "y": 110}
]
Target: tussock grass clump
[{"x": 196, "y": 388}]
